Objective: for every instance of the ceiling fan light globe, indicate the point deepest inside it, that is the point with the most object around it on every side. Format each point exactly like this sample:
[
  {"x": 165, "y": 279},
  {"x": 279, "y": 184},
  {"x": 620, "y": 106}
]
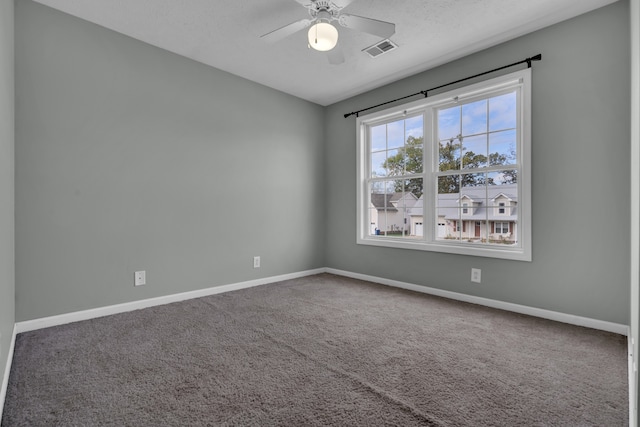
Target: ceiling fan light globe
[{"x": 323, "y": 36}]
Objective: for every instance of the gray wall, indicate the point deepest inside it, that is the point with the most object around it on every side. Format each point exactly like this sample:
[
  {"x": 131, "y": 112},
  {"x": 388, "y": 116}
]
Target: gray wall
[
  {"x": 581, "y": 133},
  {"x": 132, "y": 158},
  {"x": 6, "y": 182},
  {"x": 129, "y": 157}
]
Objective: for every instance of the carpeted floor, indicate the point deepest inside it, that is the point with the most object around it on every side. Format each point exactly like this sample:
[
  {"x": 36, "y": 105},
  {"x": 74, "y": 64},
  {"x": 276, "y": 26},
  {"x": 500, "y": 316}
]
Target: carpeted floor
[{"x": 321, "y": 350}]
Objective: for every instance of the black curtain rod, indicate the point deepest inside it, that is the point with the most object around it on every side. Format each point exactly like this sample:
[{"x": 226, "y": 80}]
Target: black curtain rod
[{"x": 537, "y": 57}]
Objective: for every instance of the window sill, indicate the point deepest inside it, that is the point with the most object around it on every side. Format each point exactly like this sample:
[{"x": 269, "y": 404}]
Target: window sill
[{"x": 482, "y": 250}]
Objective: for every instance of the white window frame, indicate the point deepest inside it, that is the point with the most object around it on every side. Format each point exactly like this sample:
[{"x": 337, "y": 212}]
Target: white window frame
[{"x": 521, "y": 81}]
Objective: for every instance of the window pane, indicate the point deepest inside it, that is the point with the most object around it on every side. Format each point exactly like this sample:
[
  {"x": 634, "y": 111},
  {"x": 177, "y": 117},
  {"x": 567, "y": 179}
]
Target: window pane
[
  {"x": 505, "y": 177},
  {"x": 388, "y": 187},
  {"x": 502, "y": 148},
  {"x": 449, "y": 184},
  {"x": 414, "y": 156},
  {"x": 414, "y": 144},
  {"x": 502, "y": 194},
  {"x": 448, "y": 209},
  {"x": 415, "y": 187},
  {"x": 446, "y": 225},
  {"x": 395, "y": 162},
  {"x": 504, "y": 233},
  {"x": 503, "y": 112},
  {"x": 449, "y": 123},
  {"x": 473, "y": 201},
  {"x": 377, "y": 187},
  {"x": 474, "y": 118},
  {"x": 484, "y": 228},
  {"x": 379, "y": 138},
  {"x": 456, "y": 229},
  {"x": 474, "y": 184},
  {"x": 414, "y": 127},
  {"x": 449, "y": 155},
  {"x": 401, "y": 223},
  {"x": 395, "y": 134},
  {"x": 475, "y": 152},
  {"x": 397, "y": 147},
  {"x": 378, "y": 205},
  {"x": 377, "y": 164},
  {"x": 393, "y": 204}
]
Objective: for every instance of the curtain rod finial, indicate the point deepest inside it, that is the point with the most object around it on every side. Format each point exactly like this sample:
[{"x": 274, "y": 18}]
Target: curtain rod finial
[{"x": 538, "y": 57}]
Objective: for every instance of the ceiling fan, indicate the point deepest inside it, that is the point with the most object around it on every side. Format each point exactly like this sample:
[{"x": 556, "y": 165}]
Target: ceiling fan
[{"x": 322, "y": 35}]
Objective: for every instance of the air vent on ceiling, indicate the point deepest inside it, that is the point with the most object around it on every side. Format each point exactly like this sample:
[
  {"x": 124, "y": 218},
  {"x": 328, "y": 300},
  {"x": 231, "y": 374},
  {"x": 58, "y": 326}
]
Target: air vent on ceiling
[{"x": 379, "y": 48}]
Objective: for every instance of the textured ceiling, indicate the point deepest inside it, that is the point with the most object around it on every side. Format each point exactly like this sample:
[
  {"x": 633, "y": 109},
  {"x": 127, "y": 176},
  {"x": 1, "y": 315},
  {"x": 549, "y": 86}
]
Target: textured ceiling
[{"x": 226, "y": 35}]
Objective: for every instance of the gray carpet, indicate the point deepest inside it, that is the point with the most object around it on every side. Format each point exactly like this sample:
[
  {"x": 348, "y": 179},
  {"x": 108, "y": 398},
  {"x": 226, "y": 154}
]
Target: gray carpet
[{"x": 321, "y": 350}]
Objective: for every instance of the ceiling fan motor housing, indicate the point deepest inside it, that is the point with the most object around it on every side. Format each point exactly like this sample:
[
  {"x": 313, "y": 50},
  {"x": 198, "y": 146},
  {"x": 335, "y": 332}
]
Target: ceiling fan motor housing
[{"x": 323, "y": 11}]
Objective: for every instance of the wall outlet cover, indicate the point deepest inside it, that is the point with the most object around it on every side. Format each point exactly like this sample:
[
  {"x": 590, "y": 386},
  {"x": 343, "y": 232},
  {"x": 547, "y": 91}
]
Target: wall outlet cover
[
  {"x": 140, "y": 278},
  {"x": 476, "y": 275}
]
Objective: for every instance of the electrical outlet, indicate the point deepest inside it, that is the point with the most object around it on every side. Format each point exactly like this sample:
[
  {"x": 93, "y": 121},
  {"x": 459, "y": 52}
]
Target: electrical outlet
[
  {"x": 256, "y": 262},
  {"x": 476, "y": 275},
  {"x": 140, "y": 278}
]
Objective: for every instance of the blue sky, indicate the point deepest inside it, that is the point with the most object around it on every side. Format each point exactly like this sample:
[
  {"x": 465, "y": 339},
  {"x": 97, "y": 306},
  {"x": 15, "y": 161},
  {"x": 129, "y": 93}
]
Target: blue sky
[{"x": 487, "y": 126}]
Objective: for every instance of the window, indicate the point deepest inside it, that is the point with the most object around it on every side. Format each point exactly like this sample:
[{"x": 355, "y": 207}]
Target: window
[
  {"x": 451, "y": 163},
  {"x": 501, "y": 227}
]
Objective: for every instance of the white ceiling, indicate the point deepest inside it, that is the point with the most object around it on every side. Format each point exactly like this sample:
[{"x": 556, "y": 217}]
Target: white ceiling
[{"x": 226, "y": 35}]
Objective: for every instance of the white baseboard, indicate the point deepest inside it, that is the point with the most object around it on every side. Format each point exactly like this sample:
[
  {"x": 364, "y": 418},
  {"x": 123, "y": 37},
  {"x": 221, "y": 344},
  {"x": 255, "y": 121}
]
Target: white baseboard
[
  {"x": 62, "y": 319},
  {"x": 517, "y": 308},
  {"x": 45, "y": 322},
  {"x": 7, "y": 371}
]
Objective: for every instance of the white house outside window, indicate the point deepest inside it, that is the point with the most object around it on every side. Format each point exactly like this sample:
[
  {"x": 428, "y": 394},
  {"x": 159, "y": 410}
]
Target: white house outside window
[{"x": 450, "y": 173}]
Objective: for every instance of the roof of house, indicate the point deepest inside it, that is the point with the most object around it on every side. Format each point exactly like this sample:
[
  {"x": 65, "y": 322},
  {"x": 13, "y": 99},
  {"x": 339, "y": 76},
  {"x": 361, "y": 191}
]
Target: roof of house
[
  {"x": 381, "y": 200},
  {"x": 449, "y": 204},
  {"x": 490, "y": 192}
]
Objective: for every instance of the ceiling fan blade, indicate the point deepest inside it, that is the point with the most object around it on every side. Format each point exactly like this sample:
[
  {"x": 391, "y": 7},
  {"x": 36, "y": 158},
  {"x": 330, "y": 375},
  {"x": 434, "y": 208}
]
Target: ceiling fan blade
[
  {"x": 336, "y": 56},
  {"x": 286, "y": 31},
  {"x": 367, "y": 25},
  {"x": 341, "y": 3}
]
